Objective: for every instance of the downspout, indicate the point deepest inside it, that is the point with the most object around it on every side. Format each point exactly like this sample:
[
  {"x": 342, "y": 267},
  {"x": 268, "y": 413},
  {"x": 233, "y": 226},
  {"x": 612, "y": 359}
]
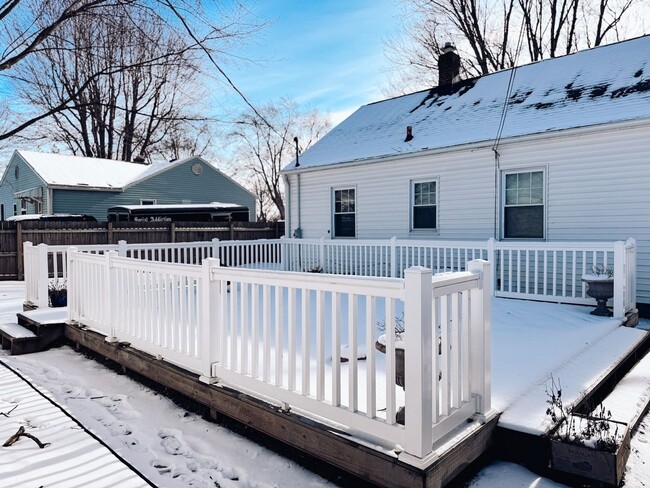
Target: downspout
[
  {"x": 287, "y": 208},
  {"x": 298, "y": 232},
  {"x": 50, "y": 201}
]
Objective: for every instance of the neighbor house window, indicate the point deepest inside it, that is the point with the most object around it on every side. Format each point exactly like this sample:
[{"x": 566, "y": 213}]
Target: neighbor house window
[
  {"x": 23, "y": 206},
  {"x": 424, "y": 205},
  {"x": 345, "y": 222},
  {"x": 149, "y": 201},
  {"x": 523, "y": 211},
  {"x": 15, "y": 209}
]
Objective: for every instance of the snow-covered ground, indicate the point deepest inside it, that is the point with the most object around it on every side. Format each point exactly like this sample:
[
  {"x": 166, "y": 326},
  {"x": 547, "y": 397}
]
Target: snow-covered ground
[{"x": 173, "y": 447}]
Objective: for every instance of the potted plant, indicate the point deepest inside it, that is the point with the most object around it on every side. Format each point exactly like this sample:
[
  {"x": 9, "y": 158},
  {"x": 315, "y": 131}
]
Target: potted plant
[
  {"x": 58, "y": 293},
  {"x": 586, "y": 445},
  {"x": 380, "y": 345},
  {"x": 600, "y": 285}
]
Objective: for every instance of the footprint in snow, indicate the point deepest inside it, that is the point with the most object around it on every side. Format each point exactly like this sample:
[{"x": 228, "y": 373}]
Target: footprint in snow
[
  {"x": 133, "y": 444},
  {"x": 162, "y": 468},
  {"x": 170, "y": 443}
]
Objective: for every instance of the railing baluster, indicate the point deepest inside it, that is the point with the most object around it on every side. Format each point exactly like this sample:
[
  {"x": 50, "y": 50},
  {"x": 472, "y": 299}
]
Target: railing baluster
[
  {"x": 390, "y": 360},
  {"x": 353, "y": 366},
  {"x": 255, "y": 324},
  {"x": 336, "y": 349},
  {"x": 320, "y": 345},
  {"x": 371, "y": 364},
  {"x": 278, "y": 334},
  {"x": 306, "y": 344}
]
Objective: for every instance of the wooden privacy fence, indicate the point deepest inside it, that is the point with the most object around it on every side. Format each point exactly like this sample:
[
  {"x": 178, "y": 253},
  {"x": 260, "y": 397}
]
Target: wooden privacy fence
[
  {"x": 545, "y": 271},
  {"x": 279, "y": 335},
  {"x": 14, "y": 234}
]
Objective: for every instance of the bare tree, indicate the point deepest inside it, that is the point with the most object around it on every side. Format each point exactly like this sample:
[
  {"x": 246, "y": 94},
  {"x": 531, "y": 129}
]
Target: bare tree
[
  {"x": 119, "y": 113},
  {"x": 92, "y": 63},
  {"x": 265, "y": 144},
  {"x": 494, "y": 35}
]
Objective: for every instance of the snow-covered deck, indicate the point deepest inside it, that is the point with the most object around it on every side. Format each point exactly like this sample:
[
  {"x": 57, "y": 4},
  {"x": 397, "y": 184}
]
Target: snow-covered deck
[{"x": 530, "y": 341}]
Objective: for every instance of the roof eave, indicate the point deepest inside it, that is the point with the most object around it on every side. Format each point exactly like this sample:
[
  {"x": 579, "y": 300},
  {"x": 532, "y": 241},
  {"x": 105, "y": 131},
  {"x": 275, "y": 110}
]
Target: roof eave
[
  {"x": 565, "y": 132},
  {"x": 113, "y": 189}
]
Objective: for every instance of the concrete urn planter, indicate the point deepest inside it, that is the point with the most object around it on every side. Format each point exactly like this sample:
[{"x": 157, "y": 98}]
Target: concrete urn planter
[
  {"x": 400, "y": 379},
  {"x": 602, "y": 289}
]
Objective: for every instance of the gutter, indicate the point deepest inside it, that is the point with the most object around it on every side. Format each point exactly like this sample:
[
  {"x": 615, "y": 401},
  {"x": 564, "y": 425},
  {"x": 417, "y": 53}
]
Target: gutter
[
  {"x": 86, "y": 188},
  {"x": 287, "y": 207}
]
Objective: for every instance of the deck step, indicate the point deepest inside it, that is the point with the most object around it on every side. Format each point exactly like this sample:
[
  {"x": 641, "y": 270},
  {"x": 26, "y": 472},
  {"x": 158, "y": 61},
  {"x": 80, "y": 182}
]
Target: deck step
[
  {"x": 43, "y": 316},
  {"x": 18, "y": 339},
  {"x": 35, "y": 331}
]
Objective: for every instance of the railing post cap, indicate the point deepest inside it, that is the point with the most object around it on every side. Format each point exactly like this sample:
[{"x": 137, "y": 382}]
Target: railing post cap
[{"x": 418, "y": 270}]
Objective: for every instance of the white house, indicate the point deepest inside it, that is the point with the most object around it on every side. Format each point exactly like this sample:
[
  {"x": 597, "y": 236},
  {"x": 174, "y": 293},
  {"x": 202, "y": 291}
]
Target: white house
[{"x": 556, "y": 150}]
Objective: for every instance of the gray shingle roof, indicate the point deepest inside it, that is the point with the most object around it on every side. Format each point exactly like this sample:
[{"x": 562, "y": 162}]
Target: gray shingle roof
[{"x": 598, "y": 86}]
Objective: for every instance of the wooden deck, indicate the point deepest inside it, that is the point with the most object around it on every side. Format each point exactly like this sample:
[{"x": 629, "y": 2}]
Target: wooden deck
[{"x": 325, "y": 442}]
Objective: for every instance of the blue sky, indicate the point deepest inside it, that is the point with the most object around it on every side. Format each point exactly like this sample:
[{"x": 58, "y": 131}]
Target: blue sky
[{"x": 325, "y": 54}]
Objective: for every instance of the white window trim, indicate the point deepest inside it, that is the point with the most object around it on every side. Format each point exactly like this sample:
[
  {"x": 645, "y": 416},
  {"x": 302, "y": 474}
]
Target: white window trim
[
  {"x": 333, "y": 208},
  {"x": 153, "y": 201},
  {"x": 502, "y": 201},
  {"x": 412, "y": 183}
]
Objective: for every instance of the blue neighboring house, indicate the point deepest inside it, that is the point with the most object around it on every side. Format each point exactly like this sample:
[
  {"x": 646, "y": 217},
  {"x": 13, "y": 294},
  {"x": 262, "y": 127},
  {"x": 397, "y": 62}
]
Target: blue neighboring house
[{"x": 43, "y": 183}]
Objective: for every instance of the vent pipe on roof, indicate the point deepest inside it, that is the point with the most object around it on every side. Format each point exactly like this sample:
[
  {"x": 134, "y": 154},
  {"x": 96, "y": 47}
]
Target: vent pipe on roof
[
  {"x": 409, "y": 133},
  {"x": 448, "y": 66},
  {"x": 295, "y": 139}
]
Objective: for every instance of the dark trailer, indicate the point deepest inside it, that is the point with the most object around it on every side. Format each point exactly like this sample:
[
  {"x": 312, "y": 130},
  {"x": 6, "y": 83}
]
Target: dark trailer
[{"x": 211, "y": 212}]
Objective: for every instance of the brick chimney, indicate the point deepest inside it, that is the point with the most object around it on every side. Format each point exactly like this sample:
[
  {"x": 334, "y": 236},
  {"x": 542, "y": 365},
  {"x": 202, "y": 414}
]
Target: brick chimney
[{"x": 448, "y": 65}]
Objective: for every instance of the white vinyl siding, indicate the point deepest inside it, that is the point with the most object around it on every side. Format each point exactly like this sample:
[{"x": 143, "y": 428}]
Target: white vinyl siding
[{"x": 587, "y": 196}]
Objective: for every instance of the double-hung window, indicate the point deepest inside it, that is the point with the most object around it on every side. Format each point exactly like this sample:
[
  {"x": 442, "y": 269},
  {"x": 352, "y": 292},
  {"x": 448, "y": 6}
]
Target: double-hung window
[
  {"x": 424, "y": 205},
  {"x": 523, "y": 210},
  {"x": 345, "y": 205}
]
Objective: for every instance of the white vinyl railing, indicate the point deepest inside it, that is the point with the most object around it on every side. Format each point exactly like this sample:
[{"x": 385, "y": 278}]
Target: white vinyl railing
[
  {"x": 546, "y": 271},
  {"x": 552, "y": 271},
  {"x": 280, "y": 335}
]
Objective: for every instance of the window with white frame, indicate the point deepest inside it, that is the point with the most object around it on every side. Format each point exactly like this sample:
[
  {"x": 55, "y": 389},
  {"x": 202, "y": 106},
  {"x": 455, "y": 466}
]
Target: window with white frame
[
  {"x": 523, "y": 209},
  {"x": 148, "y": 201},
  {"x": 345, "y": 221},
  {"x": 424, "y": 205}
]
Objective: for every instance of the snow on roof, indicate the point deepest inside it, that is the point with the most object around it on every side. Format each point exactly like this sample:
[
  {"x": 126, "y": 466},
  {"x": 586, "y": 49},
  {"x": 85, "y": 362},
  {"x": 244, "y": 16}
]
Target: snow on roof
[
  {"x": 65, "y": 170},
  {"x": 597, "y": 86}
]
